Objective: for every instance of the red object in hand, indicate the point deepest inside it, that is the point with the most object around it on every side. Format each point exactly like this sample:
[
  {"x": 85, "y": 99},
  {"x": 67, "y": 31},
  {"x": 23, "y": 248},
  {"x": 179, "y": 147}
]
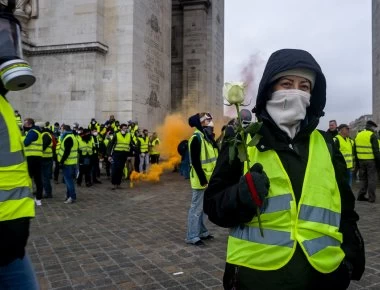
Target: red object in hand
[{"x": 252, "y": 189}]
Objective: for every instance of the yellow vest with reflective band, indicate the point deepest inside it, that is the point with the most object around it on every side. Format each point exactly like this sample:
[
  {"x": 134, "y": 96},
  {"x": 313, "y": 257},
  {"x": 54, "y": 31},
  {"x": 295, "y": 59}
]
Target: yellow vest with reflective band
[
  {"x": 34, "y": 148},
  {"x": 363, "y": 145},
  {"x": 16, "y": 200},
  {"x": 313, "y": 224},
  {"x": 123, "y": 142},
  {"x": 345, "y": 147},
  {"x": 18, "y": 120},
  {"x": 208, "y": 157},
  {"x": 155, "y": 146},
  {"x": 72, "y": 159},
  {"x": 144, "y": 144},
  {"x": 48, "y": 153},
  {"x": 86, "y": 147}
]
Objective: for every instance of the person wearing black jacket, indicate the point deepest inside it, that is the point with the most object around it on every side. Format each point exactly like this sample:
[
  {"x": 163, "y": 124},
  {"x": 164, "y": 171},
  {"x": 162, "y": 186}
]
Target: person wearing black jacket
[
  {"x": 294, "y": 251},
  {"x": 203, "y": 153}
]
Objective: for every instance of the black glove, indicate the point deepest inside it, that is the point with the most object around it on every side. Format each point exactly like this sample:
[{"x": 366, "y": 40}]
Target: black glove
[{"x": 256, "y": 184}]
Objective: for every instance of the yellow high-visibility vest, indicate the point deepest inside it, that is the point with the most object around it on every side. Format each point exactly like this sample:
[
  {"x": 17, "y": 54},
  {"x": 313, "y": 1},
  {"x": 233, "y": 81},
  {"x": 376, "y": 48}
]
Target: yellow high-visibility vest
[
  {"x": 313, "y": 223},
  {"x": 34, "y": 148},
  {"x": 122, "y": 142},
  {"x": 86, "y": 147},
  {"x": 48, "y": 152},
  {"x": 144, "y": 144},
  {"x": 209, "y": 155},
  {"x": 363, "y": 145},
  {"x": 345, "y": 146},
  {"x": 72, "y": 159},
  {"x": 16, "y": 200},
  {"x": 155, "y": 146}
]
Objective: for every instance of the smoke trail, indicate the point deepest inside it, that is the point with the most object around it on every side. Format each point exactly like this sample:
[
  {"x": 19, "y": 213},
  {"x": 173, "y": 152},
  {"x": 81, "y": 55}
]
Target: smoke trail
[
  {"x": 171, "y": 133},
  {"x": 248, "y": 75}
]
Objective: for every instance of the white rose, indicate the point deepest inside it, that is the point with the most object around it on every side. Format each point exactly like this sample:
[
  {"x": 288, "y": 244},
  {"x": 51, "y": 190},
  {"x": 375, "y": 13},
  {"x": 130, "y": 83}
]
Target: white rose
[{"x": 234, "y": 92}]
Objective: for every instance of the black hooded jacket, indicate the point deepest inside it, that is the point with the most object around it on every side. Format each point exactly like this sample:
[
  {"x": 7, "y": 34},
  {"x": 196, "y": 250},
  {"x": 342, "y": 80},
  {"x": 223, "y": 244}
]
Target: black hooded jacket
[{"x": 226, "y": 206}]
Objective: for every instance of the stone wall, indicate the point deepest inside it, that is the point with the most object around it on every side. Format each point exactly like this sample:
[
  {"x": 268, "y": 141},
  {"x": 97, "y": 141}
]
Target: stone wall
[{"x": 376, "y": 61}]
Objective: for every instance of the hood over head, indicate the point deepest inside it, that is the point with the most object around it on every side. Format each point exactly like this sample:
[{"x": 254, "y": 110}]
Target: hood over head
[
  {"x": 290, "y": 59},
  {"x": 194, "y": 121}
]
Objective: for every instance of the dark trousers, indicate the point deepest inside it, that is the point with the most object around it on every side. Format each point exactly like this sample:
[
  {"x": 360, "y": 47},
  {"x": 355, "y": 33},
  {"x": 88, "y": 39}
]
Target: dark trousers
[
  {"x": 84, "y": 169},
  {"x": 34, "y": 168},
  {"x": 56, "y": 168},
  {"x": 119, "y": 159},
  {"x": 368, "y": 178},
  {"x": 95, "y": 170},
  {"x": 155, "y": 158},
  {"x": 137, "y": 161},
  {"x": 47, "y": 170},
  {"x": 108, "y": 166}
]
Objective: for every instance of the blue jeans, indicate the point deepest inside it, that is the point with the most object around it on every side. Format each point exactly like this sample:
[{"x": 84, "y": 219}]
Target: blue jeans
[
  {"x": 18, "y": 275},
  {"x": 196, "y": 228},
  {"x": 349, "y": 173},
  {"x": 47, "y": 172},
  {"x": 69, "y": 173}
]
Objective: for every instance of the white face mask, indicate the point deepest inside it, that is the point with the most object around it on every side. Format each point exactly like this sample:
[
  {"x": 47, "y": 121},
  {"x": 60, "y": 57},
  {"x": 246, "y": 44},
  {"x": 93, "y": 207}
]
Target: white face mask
[
  {"x": 287, "y": 109},
  {"x": 95, "y": 133}
]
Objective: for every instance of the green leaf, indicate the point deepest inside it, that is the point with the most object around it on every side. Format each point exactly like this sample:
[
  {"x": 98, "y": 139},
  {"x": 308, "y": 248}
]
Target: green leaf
[
  {"x": 255, "y": 140},
  {"x": 253, "y": 128},
  {"x": 241, "y": 153}
]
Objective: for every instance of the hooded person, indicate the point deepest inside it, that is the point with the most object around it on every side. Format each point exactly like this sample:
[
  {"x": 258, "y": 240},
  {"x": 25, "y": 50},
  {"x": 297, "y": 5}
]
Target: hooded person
[
  {"x": 297, "y": 182},
  {"x": 203, "y": 153}
]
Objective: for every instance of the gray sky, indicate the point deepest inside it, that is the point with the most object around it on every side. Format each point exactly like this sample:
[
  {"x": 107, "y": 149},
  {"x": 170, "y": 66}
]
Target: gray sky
[{"x": 336, "y": 32}]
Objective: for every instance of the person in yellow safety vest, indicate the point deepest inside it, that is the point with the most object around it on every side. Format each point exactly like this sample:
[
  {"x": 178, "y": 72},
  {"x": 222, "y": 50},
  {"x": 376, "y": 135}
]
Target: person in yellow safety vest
[
  {"x": 346, "y": 146},
  {"x": 16, "y": 201},
  {"x": 108, "y": 137},
  {"x": 143, "y": 143},
  {"x": 368, "y": 159},
  {"x": 85, "y": 152},
  {"x": 95, "y": 170},
  {"x": 306, "y": 234},
  {"x": 33, "y": 152},
  {"x": 154, "y": 148},
  {"x": 47, "y": 161},
  {"x": 68, "y": 158},
  {"x": 118, "y": 150},
  {"x": 18, "y": 119},
  {"x": 94, "y": 125},
  {"x": 203, "y": 152}
]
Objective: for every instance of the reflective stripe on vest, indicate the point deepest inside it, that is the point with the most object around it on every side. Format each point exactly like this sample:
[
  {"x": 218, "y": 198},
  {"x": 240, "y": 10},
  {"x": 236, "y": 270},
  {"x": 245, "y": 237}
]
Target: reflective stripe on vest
[
  {"x": 208, "y": 157},
  {"x": 363, "y": 145},
  {"x": 72, "y": 159},
  {"x": 16, "y": 200},
  {"x": 155, "y": 146},
  {"x": 345, "y": 147},
  {"x": 34, "y": 148},
  {"x": 314, "y": 223},
  {"x": 123, "y": 142},
  {"x": 144, "y": 142},
  {"x": 86, "y": 147},
  {"x": 48, "y": 152}
]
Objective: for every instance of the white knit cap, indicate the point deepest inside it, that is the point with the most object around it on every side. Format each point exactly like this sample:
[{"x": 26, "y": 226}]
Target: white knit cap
[{"x": 299, "y": 72}]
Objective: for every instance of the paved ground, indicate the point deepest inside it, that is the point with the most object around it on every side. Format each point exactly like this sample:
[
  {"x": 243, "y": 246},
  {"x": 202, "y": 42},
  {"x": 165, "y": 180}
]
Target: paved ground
[{"x": 133, "y": 238}]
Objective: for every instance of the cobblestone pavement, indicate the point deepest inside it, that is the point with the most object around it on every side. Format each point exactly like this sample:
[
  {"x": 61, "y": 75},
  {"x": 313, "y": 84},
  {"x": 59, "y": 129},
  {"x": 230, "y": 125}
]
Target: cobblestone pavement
[{"x": 133, "y": 238}]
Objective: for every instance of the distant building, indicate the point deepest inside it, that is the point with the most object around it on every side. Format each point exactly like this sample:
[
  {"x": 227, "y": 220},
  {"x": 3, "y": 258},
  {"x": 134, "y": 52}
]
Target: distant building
[{"x": 359, "y": 124}]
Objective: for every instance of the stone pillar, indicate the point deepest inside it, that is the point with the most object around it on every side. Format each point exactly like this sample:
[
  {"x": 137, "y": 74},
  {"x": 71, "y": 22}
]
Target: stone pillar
[
  {"x": 376, "y": 61},
  {"x": 195, "y": 56}
]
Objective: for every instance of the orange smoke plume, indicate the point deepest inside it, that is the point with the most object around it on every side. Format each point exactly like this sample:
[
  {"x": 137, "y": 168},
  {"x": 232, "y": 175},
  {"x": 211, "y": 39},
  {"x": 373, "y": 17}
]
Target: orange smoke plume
[{"x": 174, "y": 129}]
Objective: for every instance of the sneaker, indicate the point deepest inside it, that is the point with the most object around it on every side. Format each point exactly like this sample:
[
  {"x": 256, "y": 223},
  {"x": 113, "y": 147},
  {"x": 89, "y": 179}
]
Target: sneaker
[
  {"x": 362, "y": 198},
  {"x": 38, "y": 202},
  {"x": 209, "y": 237},
  {"x": 69, "y": 200},
  {"x": 199, "y": 243}
]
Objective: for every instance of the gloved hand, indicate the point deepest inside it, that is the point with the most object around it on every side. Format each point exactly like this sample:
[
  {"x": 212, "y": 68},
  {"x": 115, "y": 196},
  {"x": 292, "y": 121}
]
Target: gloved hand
[{"x": 256, "y": 183}]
